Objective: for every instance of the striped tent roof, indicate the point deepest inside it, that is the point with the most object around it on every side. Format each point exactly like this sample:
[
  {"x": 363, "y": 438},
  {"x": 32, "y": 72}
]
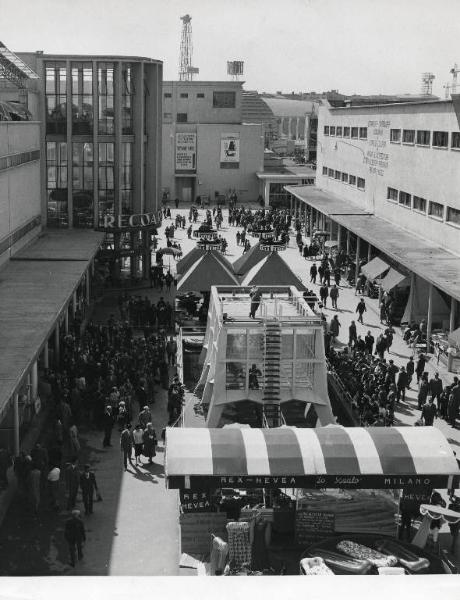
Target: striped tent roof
[
  {"x": 183, "y": 265},
  {"x": 331, "y": 456},
  {"x": 250, "y": 258},
  {"x": 207, "y": 271},
  {"x": 272, "y": 270}
]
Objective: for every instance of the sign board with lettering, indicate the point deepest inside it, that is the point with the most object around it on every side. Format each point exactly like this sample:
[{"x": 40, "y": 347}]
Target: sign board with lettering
[
  {"x": 313, "y": 522},
  {"x": 378, "y": 138},
  {"x": 195, "y": 501},
  {"x": 185, "y": 151},
  {"x": 196, "y": 530},
  {"x": 113, "y": 223}
]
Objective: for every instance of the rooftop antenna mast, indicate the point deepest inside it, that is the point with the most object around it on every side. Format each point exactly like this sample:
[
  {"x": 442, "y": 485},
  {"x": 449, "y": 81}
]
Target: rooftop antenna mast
[
  {"x": 451, "y": 88},
  {"x": 427, "y": 84},
  {"x": 186, "y": 71}
]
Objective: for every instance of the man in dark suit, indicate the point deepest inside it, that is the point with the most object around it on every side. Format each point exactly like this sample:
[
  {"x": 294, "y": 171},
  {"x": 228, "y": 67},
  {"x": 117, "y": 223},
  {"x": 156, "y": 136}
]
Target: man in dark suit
[
  {"x": 74, "y": 534},
  {"x": 72, "y": 480},
  {"x": 88, "y": 487},
  {"x": 126, "y": 445},
  {"x": 108, "y": 421}
]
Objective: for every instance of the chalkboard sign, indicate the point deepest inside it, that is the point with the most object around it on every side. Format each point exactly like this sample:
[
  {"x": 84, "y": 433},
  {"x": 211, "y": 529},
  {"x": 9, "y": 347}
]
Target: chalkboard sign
[
  {"x": 310, "y": 523},
  {"x": 196, "y": 529}
]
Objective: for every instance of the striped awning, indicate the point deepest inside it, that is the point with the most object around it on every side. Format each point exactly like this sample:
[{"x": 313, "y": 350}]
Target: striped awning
[
  {"x": 375, "y": 268},
  {"x": 332, "y": 456},
  {"x": 392, "y": 279}
]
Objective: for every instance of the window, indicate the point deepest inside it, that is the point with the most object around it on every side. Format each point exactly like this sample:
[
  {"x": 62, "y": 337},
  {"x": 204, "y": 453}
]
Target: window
[
  {"x": 184, "y": 95},
  {"x": 236, "y": 376},
  {"x": 82, "y": 183},
  {"x": 354, "y": 133},
  {"x": 181, "y": 117},
  {"x": 392, "y": 194},
  {"x": 55, "y": 98},
  {"x": 395, "y": 136},
  {"x": 332, "y": 130},
  {"x": 236, "y": 344},
  {"x": 167, "y": 116},
  {"x": 338, "y": 131},
  {"x": 455, "y": 140},
  {"x": 167, "y": 95},
  {"x": 436, "y": 210},
  {"x": 200, "y": 95},
  {"x": 352, "y": 180},
  {"x": 345, "y": 177},
  {"x": 363, "y": 133},
  {"x": 106, "y": 124},
  {"x": 330, "y": 172},
  {"x": 56, "y": 184},
  {"x": 404, "y": 199},
  {"x": 127, "y": 93},
  {"x": 346, "y": 132},
  {"x": 338, "y": 175},
  {"x": 326, "y": 130},
  {"x": 423, "y": 138},
  {"x": 419, "y": 204},
  {"x": 106, "y": 187},
  {"x": 82, "y": 98},
  {"x": 224, "y": 99},
  {"x": 127, "y": 178},
  {"x": 361, "y": 183},
  {"x": 440, "y": 139},
  {"x": 453, "y": 215},
  {"x": 408, "y": 136},
  {"x": 324, "y": 170}
]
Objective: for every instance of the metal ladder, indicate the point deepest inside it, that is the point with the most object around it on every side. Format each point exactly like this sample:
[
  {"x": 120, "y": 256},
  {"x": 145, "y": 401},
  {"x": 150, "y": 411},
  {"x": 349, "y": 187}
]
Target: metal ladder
[{"x": 272, "y": 375}]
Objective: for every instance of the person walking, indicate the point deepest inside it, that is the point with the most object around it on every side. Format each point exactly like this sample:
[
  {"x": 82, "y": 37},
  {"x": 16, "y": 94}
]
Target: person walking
[
  {"x": 313, "y": 273},
  {"x": 334, "y": 327},
  {"x": 108, "y": 423},
  {"x": 323, "y": 294},
  {"x": 401, "y": 385},
  {"x": 436, "y": 388},
  {"x": 420, "y": 368},
  {"x": 424, "y": 388},
  {"x": 150, "y": 442},
  {"x": 334, "y": 294},
  {"x": 75, "y": 536},
  {"x": 53, "y": 487},
  {"x": 138, "y": 439},
  {"x": 453, "y": 403},
  {"x": 171, "y": 350},
  {"x": 145, "y": 416},
  {"x": 369, "y": 341},
  {"x": 361, "y": 309},
  {"x": 126, "y": 445},
  {"x": 410, "y": 369},
  {"x": 255, "y": 296},
  {"x": 352, "y": 335},
  {"x": 88, "y": 486},
  {"x": 72, "y": 480}
]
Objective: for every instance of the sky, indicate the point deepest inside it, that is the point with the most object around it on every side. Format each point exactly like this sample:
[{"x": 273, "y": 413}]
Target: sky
[{"x": 353, "y": 46}]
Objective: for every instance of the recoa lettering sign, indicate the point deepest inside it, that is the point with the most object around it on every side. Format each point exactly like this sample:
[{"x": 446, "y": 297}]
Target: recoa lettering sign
[{"x": 128, "y": 221}]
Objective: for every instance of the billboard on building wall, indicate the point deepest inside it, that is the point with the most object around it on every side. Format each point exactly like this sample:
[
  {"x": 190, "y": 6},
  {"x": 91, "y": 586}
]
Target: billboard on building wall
[
  {"x": 230, "y": 148},
  {"x": 185, "y": 151}
]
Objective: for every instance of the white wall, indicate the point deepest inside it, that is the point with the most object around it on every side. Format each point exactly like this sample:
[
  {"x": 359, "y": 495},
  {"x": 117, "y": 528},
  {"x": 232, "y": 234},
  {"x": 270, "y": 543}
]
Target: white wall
[{"x": 431, "y": 173}]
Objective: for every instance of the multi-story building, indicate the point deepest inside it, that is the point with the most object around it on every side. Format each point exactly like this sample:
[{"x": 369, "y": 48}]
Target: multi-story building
[
  {"x": 207, "y": 149},
  {"x": 388, "y": 175}
]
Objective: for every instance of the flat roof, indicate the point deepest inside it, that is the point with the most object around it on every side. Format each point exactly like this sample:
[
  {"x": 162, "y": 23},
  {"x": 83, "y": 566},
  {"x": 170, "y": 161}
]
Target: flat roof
[
  {"x": 108, "y": 57},
  {"x": 425, "y": 259},
  {"x": 391, "y": 104},
  {"x": 323, "y": 201},
  {"x": 34, "y": 290}
]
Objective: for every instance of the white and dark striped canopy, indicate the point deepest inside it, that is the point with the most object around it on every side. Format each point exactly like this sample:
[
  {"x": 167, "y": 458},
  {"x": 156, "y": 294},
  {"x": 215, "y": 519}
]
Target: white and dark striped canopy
[{"x": 330, "y": 456}]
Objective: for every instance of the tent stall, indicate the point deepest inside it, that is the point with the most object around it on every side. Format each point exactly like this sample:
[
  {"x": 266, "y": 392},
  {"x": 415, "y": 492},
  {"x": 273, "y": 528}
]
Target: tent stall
[
  {"x": 249, "y": 259},
  {"x": 206, "y": 271},
  {"x": 270, "y": 270},
  {"x": 375, "y": 268},
  {"x": 331, "y": 456},
  {"x": 394, "y": 279}
]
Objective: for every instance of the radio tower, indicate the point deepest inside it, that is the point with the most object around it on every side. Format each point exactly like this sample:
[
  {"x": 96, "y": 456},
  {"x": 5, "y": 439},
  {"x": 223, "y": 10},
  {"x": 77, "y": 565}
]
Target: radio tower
[
  {"x": 427, "y": 84},
  {"x": 186, "y": 71}
]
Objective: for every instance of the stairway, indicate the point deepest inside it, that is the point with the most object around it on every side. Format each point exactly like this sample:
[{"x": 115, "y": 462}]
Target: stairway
[{"x": 272, "y": 376}]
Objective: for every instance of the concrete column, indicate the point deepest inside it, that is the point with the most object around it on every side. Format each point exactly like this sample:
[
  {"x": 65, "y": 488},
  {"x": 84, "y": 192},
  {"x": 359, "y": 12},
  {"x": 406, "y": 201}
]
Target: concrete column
[
  {"x": 88, "y": 289},
  {"x": 46, "y": 361},
  {"x": 453, "y": 310},
  {"x": 429, "y": 321},
  {"x": 66, "y": 321},
  {"x": 266, "y": 193},
  {"x": 290, "y": 203},
  {"x": 34, "y": 381},
  {"x": 56, "y": 345},
  {"x": 348, "y": 241},
  {"x": 339, "y": 235},
  {"x": 358, "y": 248},
  {"x": 297, "y": 128},
  {"x": 310, "y": 222},
  {"x": 289, "y": 127},
  {"x": 16, "y": 423},
  {"x": 369, "y": 252},
  {"x": 74, "y": 303},
  {"x": 411, "y": 297},
  {"x": 330, "y": 228}
]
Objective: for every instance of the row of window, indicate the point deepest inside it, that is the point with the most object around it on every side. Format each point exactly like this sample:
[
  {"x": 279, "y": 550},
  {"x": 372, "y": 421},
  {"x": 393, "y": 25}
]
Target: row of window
[
  {"x": 425, "y": 137},
  {"x": 359, "y": 182},
  {"x": 356, "y": 133},
  {"x": 435, "y": 209},
  {"x": 14, "y": 160},
  {"x": 219, "y": 99}
]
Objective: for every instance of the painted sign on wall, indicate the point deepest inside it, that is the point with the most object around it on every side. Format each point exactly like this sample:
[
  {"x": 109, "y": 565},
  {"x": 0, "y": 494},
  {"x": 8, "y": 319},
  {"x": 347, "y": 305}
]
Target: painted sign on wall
[
  {"x": 378, "y": 137},
  {"x": 230, "y": 148},
  {"x": 185, "y": 151}
]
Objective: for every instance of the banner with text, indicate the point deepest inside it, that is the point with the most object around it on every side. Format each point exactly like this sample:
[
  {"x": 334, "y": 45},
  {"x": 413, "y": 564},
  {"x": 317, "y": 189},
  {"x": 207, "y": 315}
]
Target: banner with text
[
  {"x": 185, "y": 151},
  {"x": 230, "y": 148}
]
